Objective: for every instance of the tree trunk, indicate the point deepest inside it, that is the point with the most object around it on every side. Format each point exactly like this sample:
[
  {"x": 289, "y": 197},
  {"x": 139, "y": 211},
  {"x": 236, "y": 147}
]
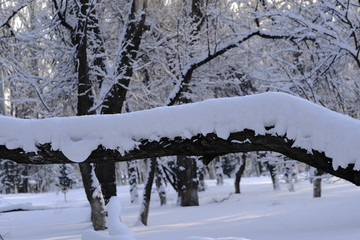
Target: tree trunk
[
  {"x": 219, "y": 172},
  {"x": 114, "y": 101},
  {"x": 239, "y": 173},
  {"x": 94, "y": 196},
  {"x": 145, "y": 205},
  {"x": 317, "y": 182},
  {"x": 200, "y": 171},
  {"x": 85, "y": 102},
  {"x": 105, "y": 172},
  {"x": 289, "y": 175},
  {"x": 132, "y": 172},
  {"x": 160, "y": 176},
  {"x": 2, "y": 104},
  {"x": 211, "y": 170},
  {"x": 187, "y": 183},
  {"x": 274, "y": 175}
]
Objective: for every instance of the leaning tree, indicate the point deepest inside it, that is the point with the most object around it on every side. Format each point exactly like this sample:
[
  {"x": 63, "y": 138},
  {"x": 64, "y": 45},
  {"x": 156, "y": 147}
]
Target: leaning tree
[{"x": 275, "y": 122}]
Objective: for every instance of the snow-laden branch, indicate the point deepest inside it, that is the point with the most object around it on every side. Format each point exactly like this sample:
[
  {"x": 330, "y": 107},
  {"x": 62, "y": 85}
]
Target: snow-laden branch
[
  {"x": 270, "y": 121},
  {"x": 196, "y": 62},
  {"x": 12, "y": 12}
]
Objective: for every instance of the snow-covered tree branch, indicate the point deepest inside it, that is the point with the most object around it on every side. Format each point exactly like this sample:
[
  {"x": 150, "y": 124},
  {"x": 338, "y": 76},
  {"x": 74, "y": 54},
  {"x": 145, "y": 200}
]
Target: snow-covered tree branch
[{"x": 271, "y": 121}]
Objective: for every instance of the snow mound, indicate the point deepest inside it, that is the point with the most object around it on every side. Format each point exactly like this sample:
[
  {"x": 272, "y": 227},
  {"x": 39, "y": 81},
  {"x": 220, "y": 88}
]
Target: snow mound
[
  {"x": 311, "y": 126},
  {"x": 117, "y": 230}
]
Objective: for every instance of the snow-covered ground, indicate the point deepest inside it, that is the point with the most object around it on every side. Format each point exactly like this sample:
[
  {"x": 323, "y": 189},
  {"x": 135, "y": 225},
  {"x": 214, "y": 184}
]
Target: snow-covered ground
[{"x": 258, "y": 213}]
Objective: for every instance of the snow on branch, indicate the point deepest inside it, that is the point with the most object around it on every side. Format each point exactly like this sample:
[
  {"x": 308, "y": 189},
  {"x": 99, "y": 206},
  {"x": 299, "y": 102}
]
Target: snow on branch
[
  {"x": 196, "y": 62},
  {"x": 270, "y": 121},
  {"x": 12, "y": 12}
]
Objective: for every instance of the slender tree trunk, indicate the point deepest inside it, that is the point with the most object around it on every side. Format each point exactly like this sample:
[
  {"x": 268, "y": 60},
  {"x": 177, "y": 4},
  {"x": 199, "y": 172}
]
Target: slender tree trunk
[
  {"x": 85, "y": 102},
  {"x": 200, "y": 170},
  {"x": 114, "y": 101},
  {"x": 94, "y": 196},
  {"x": 274, "y": 175},
  {"x": 289, "y": 174},
  {"x": 211, "y": 170},
  {"x": 2, "y": 104},
  {"x": 239, "y": 173},
  {"x": 145, "y": 205},
  {"x": 219, "y": 172},
  {"x": 160, "y": 176},
  {"x": 132, "y": 172},
  {"x": 260, "y": 167},
  {"x": 187, "y": 183},
  {"x": 317, "y": 182}
]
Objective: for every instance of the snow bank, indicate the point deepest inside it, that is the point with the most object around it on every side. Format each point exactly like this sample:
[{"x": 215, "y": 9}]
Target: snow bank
[{"x": 311, "y": 126}]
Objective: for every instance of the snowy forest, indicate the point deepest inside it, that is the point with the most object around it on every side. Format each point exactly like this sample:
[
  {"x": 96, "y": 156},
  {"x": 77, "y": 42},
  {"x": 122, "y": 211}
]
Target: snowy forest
[{"x": 61, "y": 58}]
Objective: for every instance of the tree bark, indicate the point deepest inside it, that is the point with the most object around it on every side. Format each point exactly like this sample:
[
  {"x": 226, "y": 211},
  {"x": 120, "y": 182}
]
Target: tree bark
[
  {"x": 207, "y": 146},
  {"x": 187, "y": 183},
  {"x": 132, "y": 172},
  {"x": 134, "y": 29},
  {"x": 160, "y": 176},
  {"x": 239, "y": 173},
  {"x": 317, "y": 183},
  {"x": 113, "y": 102},
  {"x": 105, "y": 172},
  {"x": 274, "y": 175},
  {"x": 145, "y": 205},
  {"x": 219, "y": 172},
  {"x": 289, "y": 174},
  {"x": 200, "y": 170},
  {"x": 85, "y": 102},
  {"x": 96, "y": 201}
]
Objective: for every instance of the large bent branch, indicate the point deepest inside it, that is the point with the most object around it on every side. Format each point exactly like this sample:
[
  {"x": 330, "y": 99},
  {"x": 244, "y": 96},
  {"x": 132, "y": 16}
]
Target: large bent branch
[
  {"x": 276, "y": 122},
  {"x": 207, "y": 146}
]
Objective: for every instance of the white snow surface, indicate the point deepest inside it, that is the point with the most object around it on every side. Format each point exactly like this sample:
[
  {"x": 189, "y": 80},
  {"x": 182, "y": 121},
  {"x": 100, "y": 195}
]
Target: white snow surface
[
  {"x": 311, "y": 126},
  {"x": 258, "y": 213}
]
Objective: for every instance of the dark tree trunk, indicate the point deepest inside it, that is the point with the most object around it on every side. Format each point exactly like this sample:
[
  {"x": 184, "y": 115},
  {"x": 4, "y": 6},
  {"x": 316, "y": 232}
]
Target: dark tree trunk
[
  {"x": 274, "y": 175},
  {"x": 260, "y": 167},
  {"x": 317, "y": 182},
  {"x": 145, "y": 205},
  {"x": 239, "y": 173},
  {"x": 135, "y": 28},
  {"x": 95, "y": 199},
  {"x": 160, "y": 178},
  {"x": 85, "y": 102},
  {"x": 132, "y": 172},
  {"x": 105, "y": 172},
  {"x": 114, "y": 101},
  {"x": 187, "y": 183}
]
